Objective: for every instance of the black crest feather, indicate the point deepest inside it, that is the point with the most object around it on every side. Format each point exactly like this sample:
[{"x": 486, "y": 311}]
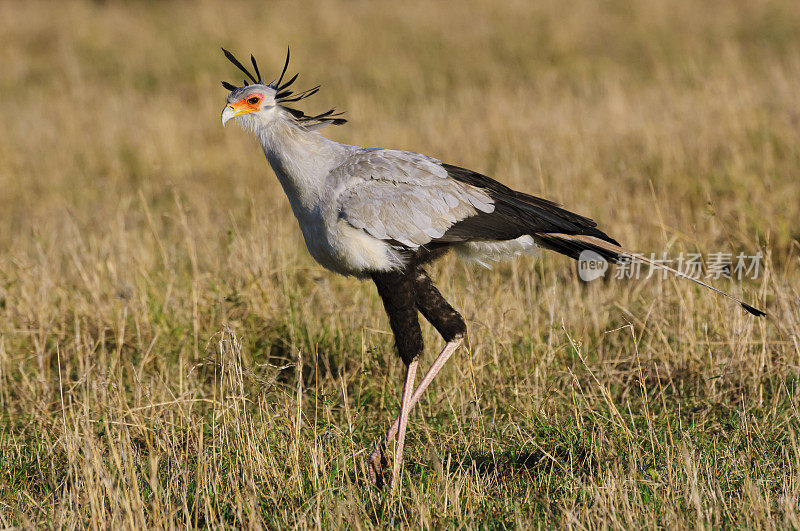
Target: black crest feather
[
  {"x": 283, "y": 96},
  {"x": 239, "y": 65},
  {"x": 285, "y": 66},
  {"x": 255, "y": 67},
  {"x": 285, "y": 85}
]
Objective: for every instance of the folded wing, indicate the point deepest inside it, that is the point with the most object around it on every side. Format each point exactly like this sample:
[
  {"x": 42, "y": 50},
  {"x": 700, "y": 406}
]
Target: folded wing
[
  {"x": 414, "y": 200},
  {"x": 405, "y": 198}
]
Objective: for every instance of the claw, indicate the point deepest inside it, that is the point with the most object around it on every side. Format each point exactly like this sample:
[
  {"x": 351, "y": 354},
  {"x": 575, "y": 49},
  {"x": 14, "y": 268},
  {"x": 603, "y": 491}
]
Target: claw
[{"x": 376, "y": 466}]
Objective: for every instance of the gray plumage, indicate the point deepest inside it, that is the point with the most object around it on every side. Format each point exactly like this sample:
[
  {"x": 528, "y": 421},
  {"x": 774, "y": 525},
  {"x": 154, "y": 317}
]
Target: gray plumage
[{"x": 403, "y": 197}]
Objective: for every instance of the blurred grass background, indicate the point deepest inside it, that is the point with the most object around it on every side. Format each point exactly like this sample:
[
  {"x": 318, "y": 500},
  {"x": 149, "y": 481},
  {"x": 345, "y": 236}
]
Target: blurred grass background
[{"x": 170, "y": 355}]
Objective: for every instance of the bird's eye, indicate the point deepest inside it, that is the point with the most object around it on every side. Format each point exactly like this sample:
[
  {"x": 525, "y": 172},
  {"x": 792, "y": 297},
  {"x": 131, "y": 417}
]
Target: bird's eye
[{"x": 252, "y": 101}]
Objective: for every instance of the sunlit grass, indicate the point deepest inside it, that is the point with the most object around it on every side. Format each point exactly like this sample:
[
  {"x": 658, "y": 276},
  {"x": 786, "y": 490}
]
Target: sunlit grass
[{"x": 170, "y": 355}]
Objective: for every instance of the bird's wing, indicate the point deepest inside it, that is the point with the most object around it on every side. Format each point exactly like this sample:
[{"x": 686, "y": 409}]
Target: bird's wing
[
  {"x": 404, "y": 197},
  {"x": 414, "y": 200},
  {"x": 517, "y": 213}
]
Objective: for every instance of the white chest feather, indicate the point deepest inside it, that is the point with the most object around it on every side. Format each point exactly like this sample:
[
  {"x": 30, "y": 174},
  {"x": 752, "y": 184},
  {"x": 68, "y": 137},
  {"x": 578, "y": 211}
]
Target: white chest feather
[{"x": 347, "y": 250}]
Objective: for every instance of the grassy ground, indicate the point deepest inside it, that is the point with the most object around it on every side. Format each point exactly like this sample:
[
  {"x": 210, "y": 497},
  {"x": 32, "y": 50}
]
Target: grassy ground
[{"x": 170, "y": 355}]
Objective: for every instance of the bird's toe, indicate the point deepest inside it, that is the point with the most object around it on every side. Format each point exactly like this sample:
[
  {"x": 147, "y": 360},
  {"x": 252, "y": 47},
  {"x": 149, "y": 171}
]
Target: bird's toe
[{"x": 376, "y": 466}]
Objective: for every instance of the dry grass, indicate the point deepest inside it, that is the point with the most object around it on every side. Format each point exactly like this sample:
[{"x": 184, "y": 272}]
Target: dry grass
[{"x": 170, "y": 355}]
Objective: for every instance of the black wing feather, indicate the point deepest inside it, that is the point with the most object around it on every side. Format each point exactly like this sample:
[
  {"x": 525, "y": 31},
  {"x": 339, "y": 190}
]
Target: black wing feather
[{"x": 516, "y": 214}]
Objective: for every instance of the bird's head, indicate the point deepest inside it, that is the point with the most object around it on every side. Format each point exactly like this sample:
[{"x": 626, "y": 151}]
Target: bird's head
[
  {"x": 250, "y": 104},
  {"x": 257, "y": 103}
]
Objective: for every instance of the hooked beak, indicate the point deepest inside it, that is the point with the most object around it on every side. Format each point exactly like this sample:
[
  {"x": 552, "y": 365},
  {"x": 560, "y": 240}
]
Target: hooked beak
[{"x": 231, "y": 112}]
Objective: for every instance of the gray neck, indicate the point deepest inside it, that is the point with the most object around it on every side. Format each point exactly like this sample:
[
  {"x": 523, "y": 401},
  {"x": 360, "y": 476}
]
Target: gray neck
[{"x": 301, "y": 159}]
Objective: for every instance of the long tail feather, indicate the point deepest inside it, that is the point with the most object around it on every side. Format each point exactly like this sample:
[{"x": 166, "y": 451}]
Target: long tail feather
[{"x": 597, "y": 244}]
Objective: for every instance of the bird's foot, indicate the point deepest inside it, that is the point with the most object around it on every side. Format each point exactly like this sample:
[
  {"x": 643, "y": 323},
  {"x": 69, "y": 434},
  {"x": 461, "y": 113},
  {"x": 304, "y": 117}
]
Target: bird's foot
[{"x": 377, "y": 466}]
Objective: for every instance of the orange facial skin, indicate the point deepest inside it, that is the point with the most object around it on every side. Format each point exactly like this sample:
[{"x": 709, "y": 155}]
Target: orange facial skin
[{"x": 244, "y": 105}]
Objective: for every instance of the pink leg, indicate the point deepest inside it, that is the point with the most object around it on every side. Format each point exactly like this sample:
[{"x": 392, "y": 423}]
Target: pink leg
[
  {"x": 376, "y": 460},
  {"x": 405, "y": 408}
]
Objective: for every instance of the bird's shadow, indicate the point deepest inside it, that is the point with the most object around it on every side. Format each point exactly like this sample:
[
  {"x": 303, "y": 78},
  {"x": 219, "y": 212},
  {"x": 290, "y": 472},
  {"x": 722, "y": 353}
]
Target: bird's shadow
[{"x": 512, "y": 463}]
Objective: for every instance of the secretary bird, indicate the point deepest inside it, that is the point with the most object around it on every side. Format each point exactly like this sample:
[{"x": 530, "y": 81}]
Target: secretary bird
[{"x": 383, "y": 214}]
